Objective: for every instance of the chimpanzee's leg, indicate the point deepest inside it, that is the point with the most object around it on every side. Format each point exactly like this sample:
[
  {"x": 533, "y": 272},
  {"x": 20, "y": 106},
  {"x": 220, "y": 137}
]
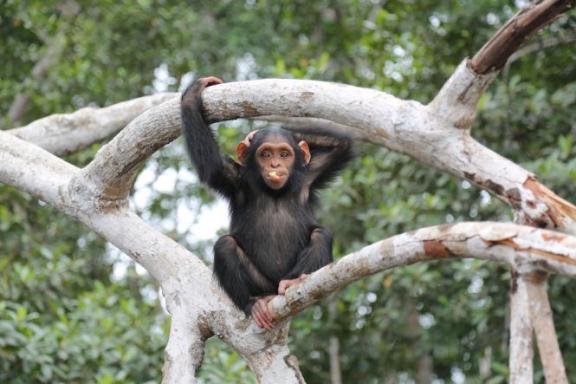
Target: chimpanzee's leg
[
  {"x": 238, "y": 276},
  {"x": 317, "y": 254}
]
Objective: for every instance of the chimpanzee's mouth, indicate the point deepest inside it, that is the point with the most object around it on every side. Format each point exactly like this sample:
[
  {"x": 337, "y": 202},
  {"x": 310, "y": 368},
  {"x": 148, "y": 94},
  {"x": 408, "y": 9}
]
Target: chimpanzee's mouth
[{"x": 275, "y": 175}]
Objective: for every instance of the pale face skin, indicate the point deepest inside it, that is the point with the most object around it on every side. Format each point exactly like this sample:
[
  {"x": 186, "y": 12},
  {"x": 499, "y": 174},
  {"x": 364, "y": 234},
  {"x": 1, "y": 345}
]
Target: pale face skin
[{"x": 275, "y": 159}]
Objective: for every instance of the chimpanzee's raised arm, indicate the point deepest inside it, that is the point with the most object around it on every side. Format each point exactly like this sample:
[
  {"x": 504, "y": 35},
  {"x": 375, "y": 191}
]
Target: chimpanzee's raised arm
[
  {"x": 213, "y": 169},
  {"x": 330, "y": 154}
]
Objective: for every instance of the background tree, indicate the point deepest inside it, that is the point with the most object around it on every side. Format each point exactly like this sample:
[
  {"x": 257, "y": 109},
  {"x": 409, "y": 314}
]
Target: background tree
[{"x": 57, "y": 287}]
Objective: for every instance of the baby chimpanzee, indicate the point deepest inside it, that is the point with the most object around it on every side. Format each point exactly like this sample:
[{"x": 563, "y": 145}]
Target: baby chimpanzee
[{"x": 274, "y": 238}]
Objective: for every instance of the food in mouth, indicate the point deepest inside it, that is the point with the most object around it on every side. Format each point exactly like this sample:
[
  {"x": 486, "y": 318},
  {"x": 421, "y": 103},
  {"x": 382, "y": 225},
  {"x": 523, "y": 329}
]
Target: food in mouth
[{"x": 274, "y": 175}]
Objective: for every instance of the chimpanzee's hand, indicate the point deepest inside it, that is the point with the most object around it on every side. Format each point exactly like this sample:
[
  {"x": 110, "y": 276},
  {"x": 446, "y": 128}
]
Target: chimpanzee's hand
[
  {"x": 285, "y": 284},
  {"x": 210, "y": 80},
  {"x": 192, "y": 93},
  {"x": 261, "y": 314}
]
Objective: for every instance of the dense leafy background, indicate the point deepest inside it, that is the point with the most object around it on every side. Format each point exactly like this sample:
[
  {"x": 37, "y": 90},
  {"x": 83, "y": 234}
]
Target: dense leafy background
[{"x": 72, "y": 310}]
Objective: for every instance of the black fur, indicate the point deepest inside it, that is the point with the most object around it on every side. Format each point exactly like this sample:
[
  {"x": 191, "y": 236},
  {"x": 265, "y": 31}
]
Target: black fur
[{"x": 273, "y": 234}]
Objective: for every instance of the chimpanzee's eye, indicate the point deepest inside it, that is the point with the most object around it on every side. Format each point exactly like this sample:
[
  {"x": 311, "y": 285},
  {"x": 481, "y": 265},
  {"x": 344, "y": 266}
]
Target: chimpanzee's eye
[{"x": 284, "y": 154}]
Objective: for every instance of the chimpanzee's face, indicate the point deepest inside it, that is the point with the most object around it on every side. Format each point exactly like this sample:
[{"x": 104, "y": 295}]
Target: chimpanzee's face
[{"x": 275, "y": 159}]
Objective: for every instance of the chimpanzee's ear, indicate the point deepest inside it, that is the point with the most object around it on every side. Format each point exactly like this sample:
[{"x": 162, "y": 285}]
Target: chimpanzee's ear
[
  {"x": 243, "y": 147},
  {"x": 305, "y": 151},
  {"x": 241, "y": 152}
]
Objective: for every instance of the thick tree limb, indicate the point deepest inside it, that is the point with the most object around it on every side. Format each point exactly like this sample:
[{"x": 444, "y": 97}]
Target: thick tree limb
[
  {"x": 114, "y": 167},
  {"x": 306, "y": 124},
  {"x": 184, "y": 351},
  {"x": 385, "y": 120}
]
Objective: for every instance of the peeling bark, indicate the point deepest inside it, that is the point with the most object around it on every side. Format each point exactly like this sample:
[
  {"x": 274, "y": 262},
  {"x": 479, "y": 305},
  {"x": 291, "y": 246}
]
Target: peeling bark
[{"x": 558, "y": 213}]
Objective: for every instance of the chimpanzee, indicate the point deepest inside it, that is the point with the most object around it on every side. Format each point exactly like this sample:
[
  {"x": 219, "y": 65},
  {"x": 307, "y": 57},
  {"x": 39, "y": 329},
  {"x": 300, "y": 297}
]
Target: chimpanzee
[{"x": 274, "y": 239}]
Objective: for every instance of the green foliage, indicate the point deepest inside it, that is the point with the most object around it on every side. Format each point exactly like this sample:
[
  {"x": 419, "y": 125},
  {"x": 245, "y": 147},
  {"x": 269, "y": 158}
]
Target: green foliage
[{"x": 62, "y": 317}]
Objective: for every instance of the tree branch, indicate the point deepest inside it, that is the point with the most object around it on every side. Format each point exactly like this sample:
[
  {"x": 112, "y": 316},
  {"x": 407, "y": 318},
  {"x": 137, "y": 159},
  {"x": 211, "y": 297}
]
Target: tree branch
[
  {"x": 525, "y": 248},
  {"x": 376, "y": 117},
  {"x": 61, "y": 134},
  {"x": 494, "y": 54},
  {"x": 114, "y": 167},
  {"x": 306, "y": 124},
  {"x": 399, "y": 125}
]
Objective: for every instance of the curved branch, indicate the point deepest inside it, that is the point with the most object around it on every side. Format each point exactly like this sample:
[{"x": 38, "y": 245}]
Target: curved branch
[
  {"x": 525, "y": 248},
  {"x": 404, "y": 126},
  {"x": 61, "y": 134}
]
